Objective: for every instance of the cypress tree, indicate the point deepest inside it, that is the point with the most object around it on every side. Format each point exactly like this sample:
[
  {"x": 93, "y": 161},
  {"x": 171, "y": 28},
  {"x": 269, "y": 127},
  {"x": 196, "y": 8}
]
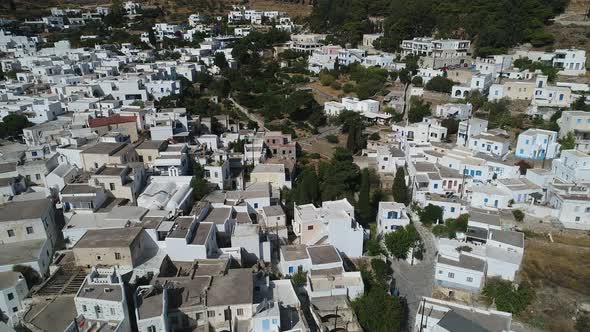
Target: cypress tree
[
  {"x": 354, "y": 141},
  {"x": 400, "y": 190},
  {"x": 350, "y": 141},
  {"x": 364, "y": 202},
  {"x": 308, "y": 188}
]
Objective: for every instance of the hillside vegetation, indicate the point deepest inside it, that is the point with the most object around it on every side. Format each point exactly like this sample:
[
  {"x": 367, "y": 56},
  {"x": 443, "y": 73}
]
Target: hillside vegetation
[{"x": 493, "y": 25}]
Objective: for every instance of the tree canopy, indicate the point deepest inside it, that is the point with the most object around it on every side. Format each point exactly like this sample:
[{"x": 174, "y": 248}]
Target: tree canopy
[
  {"x": 13, "y": 125},
  {"x": 419, "y": 109},
  {"x": 494, "y": 25},
  {"x": 307, "y": 187},
  {"x": 431, "y": 214},
  {"x": 440, "y": 84},
  {"x": 568, "y": 142},
  {"x": 400, "y": 241},
  {"x": 376, "y": 309},
  {"x": 506, "y": 296},
  {"x": 400, "y": 189},
  {"x": 340, "y": 177}
]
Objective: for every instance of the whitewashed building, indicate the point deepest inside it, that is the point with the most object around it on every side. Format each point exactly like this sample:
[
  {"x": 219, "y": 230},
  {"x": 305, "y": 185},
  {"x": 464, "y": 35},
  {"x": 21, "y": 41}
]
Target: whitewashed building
[{"x": 537, "y": 144}]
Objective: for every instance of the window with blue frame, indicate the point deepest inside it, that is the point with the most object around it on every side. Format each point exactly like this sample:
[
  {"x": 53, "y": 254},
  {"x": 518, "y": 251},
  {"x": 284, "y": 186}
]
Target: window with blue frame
[
  {"x": 526, "y": 142},
  {"x": 256, "y": 205},
  {"x": 478, "y": 173},
  {"x": 266, "y": 325},
  {"x": 452, "y": 209},
  {"x": 291, "y": 269},
  {"x": 495, "y": 147},
  {"x": 472, "y": 172},
  {"x": 274, "y": 322},
  {"x": 466, "y": 171},
  {"x": 545, "y": 141},
  {"x": 578, "y": 120},
  {"x": 435, "y": 185},
  {"x": 521, "y": 151},
  {"x": 485, "y": 200}
]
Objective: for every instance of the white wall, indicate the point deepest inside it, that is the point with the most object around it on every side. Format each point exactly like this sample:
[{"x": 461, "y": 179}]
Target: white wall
[{"x": 448, "y": 275}]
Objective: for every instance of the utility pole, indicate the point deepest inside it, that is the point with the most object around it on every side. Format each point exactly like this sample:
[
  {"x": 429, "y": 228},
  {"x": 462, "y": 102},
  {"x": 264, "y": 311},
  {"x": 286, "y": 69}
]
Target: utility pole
[
  {"x": 422, "y": 315},
  {"x": 501, "y": 71},
  {"x": 463, "y": 182},
  {"x": 230, "y": 319},
  {"x": 467, "y": 130},
  {"x": 545, "y": 154},
  {"x": 76, "y": 324}
]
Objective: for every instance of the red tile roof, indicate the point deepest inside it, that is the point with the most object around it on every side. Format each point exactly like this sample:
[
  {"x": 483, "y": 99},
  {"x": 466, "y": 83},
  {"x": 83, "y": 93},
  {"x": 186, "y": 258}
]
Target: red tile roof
[{"x": 115, "y": 119}]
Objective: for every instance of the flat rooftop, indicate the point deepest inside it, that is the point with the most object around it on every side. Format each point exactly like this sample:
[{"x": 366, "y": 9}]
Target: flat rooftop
[
  {"x": 150, "y": 145},
  {"x": 109, "y": 238},
  {"x": 269, "y": 168},
  {"x": 150, "y": 303},
  {"x": 57, "y": 313},
  {"x": 224, "y": 291},
  {"x": 218, "y": 215},
  {"x": 110, "y": 171},
  {"x": 294, "y": 252},
  {"x": 104, "y": 148},
  {"x": 465, "y": 262},
  {"x": 202, "y": 232},
  {"x": 18, "y": 210},
  {"x": 21, "y": 252},
  {"x": 509, "y": 237},
  {"x": 491, "y": 320},
  {"x": 484, "y": 216},
  {"x": 273, "y": 211},
  {"x": 183, "y": 225},
  {"x": 186, "y": 292},
  {"x": 9, "y": 279},
  {"x": 133, "y": 213},
  {"x": 452, "y": 321},
  {"x": 75, "y": 188},
  {"x": 104, "y": 292},
  {"x": 323, "y": 254},
  {"x": 519, "y": 184}
]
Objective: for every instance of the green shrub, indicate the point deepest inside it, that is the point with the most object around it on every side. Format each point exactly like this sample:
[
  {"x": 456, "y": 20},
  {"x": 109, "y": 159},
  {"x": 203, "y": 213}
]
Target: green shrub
[
  {"x": 327, "y": 79},
  {"x": 336, "y": 86},
  {"x": 348, "y": 87},
  {"x": 518, "y": 215},
  {"x": 508, "y": 297},
  {"x": 374, "y": 137},
  {"x": 332, "y": 139}
]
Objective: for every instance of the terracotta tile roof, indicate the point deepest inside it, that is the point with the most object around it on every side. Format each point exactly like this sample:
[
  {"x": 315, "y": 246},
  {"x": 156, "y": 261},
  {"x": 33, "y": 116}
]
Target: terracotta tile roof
[{"x": 115, "y": 119}]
